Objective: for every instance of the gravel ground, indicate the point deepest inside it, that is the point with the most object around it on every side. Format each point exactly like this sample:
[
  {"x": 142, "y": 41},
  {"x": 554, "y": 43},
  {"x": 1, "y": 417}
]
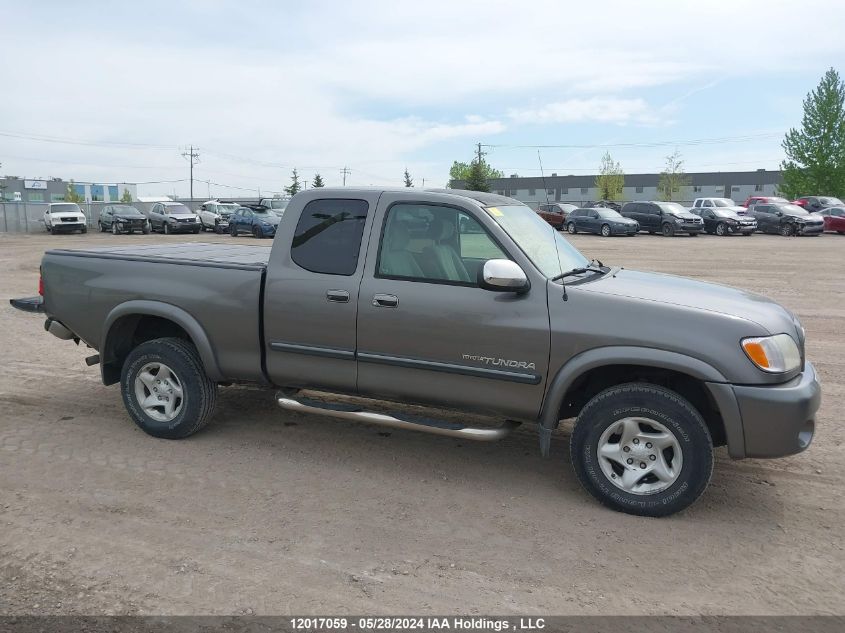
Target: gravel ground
[{"x": 269, "y": 512}]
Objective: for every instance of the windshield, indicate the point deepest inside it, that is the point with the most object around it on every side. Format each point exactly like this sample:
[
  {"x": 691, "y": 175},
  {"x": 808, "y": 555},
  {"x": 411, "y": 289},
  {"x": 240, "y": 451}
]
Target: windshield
[
  {"x": 724, "y": 202},
  {"x": 830, "y": 201},
  {"x": 121, "y": 210},
  {"x": 541, "y": 243},
  {"x": 227, "y": 207},
  {"x": 278, "y": 204},
  {"x": 65, "y": 208},
  {"x": 724, "y": 213},
  {"x": 176, "y": 209},
  {"x": 672, "y": 207},
  {"x": 608, "y": 213},
  {"x": 792, "y": 209}
]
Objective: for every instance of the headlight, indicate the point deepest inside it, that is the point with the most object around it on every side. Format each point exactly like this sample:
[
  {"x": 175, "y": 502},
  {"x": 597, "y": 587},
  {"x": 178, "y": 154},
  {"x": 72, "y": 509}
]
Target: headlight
[{"x": 773, "y": 354}]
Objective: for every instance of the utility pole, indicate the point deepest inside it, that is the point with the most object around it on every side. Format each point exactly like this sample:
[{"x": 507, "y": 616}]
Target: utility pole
[
  {"x": 345, "y": 171},
  {"x": 304, "y": 184},
  {"x": 480, "y": 154},
  {"x": 193, "y": 156}
]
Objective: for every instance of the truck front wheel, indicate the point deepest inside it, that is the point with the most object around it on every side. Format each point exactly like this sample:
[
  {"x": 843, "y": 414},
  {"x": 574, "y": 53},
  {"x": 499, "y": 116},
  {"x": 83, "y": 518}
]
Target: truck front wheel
[
  {"x": 165, "y": 389},
  {"x": 642, "y": 449}
]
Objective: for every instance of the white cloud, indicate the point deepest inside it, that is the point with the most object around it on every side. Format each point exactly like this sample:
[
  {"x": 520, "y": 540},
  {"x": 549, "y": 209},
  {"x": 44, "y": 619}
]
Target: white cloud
[{"x": 601, "y": 109}]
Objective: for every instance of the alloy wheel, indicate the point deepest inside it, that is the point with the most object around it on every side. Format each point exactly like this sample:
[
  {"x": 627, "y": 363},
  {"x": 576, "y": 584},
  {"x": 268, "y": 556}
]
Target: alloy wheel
[{"x": 159, "y": 392}]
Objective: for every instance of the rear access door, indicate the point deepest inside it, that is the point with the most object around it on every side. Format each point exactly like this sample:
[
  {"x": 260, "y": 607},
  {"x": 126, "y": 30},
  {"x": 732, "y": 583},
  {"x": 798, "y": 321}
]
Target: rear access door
[{"x": 311, "y": 291}]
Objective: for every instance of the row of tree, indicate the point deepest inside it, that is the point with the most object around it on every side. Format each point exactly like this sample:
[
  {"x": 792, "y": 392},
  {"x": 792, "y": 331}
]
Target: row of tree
[{"x": 814, "y": 164}]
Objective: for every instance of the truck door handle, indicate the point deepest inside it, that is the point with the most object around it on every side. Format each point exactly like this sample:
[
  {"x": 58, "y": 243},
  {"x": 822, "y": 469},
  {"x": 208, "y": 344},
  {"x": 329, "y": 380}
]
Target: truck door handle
[
  {"x": 385, "y": 301},
  {"x": 337, "y": 296}
]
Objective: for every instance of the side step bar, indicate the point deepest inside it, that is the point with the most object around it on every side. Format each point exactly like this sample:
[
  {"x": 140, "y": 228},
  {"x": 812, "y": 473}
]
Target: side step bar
[{"x": 396, "y": 420}]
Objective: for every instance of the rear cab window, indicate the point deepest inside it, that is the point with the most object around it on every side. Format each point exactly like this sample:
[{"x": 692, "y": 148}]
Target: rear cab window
[{"x": 328, "y": 236}]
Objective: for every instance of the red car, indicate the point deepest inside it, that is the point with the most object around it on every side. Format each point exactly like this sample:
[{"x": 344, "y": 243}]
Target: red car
[
  {"x": 752, "y": 200},
  {"x": 555, "y": 213},
  {"x": 834, "y": 219}
]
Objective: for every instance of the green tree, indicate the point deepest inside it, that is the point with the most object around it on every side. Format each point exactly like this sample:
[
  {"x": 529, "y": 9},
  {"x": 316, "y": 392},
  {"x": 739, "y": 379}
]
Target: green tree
[
  {"x": 318, "y": 181},
  {"x": 815, "y": 153},
  {"x": 294, "y": 186},
  {"x": 409, "y": 182},
  {"x": 126, "y": 197},
  {"x": 672, "y": 178},
  {"x": 477, "y": 178},
  {"x": 461, "y": 171},
  {"x": 71, "y": 195},
  {"x": 611, "y": 179}
]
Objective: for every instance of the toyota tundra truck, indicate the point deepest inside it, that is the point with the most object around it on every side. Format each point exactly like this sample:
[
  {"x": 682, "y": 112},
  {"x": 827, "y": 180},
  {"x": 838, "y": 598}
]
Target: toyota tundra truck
[{"x": 462, "y": 302}]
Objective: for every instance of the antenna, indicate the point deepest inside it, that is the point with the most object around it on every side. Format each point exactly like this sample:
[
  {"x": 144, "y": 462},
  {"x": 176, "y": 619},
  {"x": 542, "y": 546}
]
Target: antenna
[{"x": 554, "y": 232}]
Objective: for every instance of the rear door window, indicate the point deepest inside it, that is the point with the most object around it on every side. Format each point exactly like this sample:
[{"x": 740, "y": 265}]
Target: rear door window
[{"x": 328, "y": 236}]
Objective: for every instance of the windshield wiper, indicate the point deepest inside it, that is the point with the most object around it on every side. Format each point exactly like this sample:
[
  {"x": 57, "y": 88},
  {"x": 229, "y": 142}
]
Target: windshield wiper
[{"x": 598, "y": 268}]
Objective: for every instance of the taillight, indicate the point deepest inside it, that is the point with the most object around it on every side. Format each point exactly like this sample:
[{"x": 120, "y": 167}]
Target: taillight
[{"x": 40, "y": 284}]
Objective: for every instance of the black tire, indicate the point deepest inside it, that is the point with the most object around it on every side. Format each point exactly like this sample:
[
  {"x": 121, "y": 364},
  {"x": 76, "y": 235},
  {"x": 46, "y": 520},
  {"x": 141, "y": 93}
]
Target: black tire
[
  {"x": 199, "y": 392},
  {"x": 605, "y": 230},
  {"x": 84, "y": 230},
  {"x": 643, "y": 400},
  {"x": 256, "y": 233},
  {"x": 53, "y": 230},
  {"x": 114, "y": 229},
  {"x": 146, "y": 229},
  {"x": 570, "y": 228},
  {"x": 651, "y": 232},
  {"x": 233, "y": 230},
  {"x": 786, "y": 229},
  {"x": 196, "y": 231},
  {"x": 721, "y": 229},
  {"x": 101, "y": 227},
  {"x": 668, "y": 230}
]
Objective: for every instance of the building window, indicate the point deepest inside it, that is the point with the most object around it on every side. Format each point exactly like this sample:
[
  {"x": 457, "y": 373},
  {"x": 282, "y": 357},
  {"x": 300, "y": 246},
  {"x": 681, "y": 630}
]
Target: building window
[
  {"x": 97, "y": 193},
  {"x": 57, "y": 197},
  {"x": 113, "y": 195},
  {"x": 35, "y": 197},
  {"x": 79, "y": 190},
  {"x": 639, "y": 189},
  {"x": 734, "y": 188},
  {"x": 758, "y": 187},
  {"x": 697, "y": 188},
  {"x": 565, "y": 190},
  {"x": 501, "y": 193},
  {"x": 532, "y": 192},
  {"x": 583, "y": 189}
]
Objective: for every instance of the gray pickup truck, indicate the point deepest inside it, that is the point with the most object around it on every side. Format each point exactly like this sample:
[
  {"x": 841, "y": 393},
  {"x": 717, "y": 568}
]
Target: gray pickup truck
[{"x": 458, "y": 301}]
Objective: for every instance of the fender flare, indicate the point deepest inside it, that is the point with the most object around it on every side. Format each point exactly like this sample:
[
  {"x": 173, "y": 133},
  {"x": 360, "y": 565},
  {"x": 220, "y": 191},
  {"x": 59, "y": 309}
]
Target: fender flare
[
  {"x": 166, "y": 311},
  {"x": 618, "y": 355}
]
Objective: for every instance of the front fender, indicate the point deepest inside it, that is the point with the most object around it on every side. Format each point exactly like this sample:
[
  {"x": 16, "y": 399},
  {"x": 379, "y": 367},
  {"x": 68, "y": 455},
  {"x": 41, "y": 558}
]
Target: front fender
[
  {"x": 166, "y": 311},
  {"x": 627, "y": 355}
]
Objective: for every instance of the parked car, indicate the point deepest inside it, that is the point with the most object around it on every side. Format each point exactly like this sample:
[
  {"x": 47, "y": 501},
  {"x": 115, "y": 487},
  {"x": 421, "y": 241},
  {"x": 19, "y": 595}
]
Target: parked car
[
  {"x": 214, "y": 215},
  {"x": 817, "y": 203},
  {"x": 555, "y": 213},
  {"x": 668, "y": 218},
  {"x": 603, "y": 204},
  {"x": 786, "y": 219},
  {"x": 834, "y": 219},
  {"x": 276, "y": 205},
  {"x": 750, "y": 201},
  {"x": 120, "y": 218},
  {"x": 173, "y": 217},
  {"x": 656, "y": 369},
  {"x": 718, "y": 203},
  {"x": 258, "y": 221},
  {"x": 64, "y": 217},
  {"x": 721, "y": 221},
  {"x": 600, "y": 220}
]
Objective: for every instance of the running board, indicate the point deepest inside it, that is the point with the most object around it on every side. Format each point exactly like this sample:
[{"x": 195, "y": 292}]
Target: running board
[{"x": 397, "y": 420}]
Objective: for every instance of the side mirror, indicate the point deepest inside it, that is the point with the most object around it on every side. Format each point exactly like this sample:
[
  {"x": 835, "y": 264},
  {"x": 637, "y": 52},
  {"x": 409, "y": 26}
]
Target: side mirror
[{"x": 502, "y": 275}]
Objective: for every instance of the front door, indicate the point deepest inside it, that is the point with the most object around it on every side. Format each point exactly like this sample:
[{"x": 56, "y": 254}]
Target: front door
[
  {"x": 426, "y": 331},
  {"x": 311, "y": 292}
]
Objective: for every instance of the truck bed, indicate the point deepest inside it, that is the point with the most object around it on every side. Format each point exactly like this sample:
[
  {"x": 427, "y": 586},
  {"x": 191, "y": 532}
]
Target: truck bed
[{"x": 193, "y": 254}]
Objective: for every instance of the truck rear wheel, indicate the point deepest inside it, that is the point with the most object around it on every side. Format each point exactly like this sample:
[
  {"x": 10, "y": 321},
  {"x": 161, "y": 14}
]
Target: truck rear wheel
[
  {"x": 165, "y": 388},
  {"x": 642, "y": 449}
]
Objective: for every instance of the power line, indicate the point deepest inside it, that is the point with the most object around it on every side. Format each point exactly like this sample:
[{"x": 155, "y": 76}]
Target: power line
[
  {"x": 699, "y": 141},
  {"x": 69, "y": 141}
]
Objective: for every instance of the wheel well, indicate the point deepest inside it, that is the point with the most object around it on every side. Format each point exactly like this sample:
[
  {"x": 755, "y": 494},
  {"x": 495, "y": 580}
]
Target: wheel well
[
  {"x": 598, "y": 379},
  {"x": 127, "y": 333}
]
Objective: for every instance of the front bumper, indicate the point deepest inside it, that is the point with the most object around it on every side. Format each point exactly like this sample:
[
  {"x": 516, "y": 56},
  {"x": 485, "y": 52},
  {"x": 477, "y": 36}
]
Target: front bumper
[
  {"x": 811, "y": 230},
  {"x": 776, "y": 420},
  {"x": 689, "y": 228},
  {"x": 624, "y": 230},
  {"x": 68, "y": 226},
  {"x": 184, "y": 227}
]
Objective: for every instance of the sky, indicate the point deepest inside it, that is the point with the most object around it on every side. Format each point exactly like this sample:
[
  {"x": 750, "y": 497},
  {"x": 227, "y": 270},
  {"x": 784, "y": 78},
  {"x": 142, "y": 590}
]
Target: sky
[{"x": 116, "y": 92}]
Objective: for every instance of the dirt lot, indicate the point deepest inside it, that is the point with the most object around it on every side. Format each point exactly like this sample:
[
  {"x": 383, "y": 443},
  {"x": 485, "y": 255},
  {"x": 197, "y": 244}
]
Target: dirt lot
[{"x": 268, "y": 512}]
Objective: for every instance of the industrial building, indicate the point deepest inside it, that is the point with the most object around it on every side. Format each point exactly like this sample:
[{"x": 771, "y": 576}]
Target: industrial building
[
  {"x": 14, "y": 189},
  {"x": 580, "y": 189}
]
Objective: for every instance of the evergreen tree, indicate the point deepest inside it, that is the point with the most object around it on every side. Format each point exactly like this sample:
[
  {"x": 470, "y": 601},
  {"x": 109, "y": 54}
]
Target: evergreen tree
[
  {"x": 294, "y": 186},
  {"x": 477, "y": 178},
  {"x": 815, "y": 153},
  {"x": 611, "y": 179},
  {"x": 409, "y": 182},
  {"x": 461, "y": 171},
  {"x": 318, "y": 181}
]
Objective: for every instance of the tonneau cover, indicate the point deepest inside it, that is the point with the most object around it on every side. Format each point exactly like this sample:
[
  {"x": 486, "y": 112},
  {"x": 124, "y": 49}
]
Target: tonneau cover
[{"x": 191, "y": 253}]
